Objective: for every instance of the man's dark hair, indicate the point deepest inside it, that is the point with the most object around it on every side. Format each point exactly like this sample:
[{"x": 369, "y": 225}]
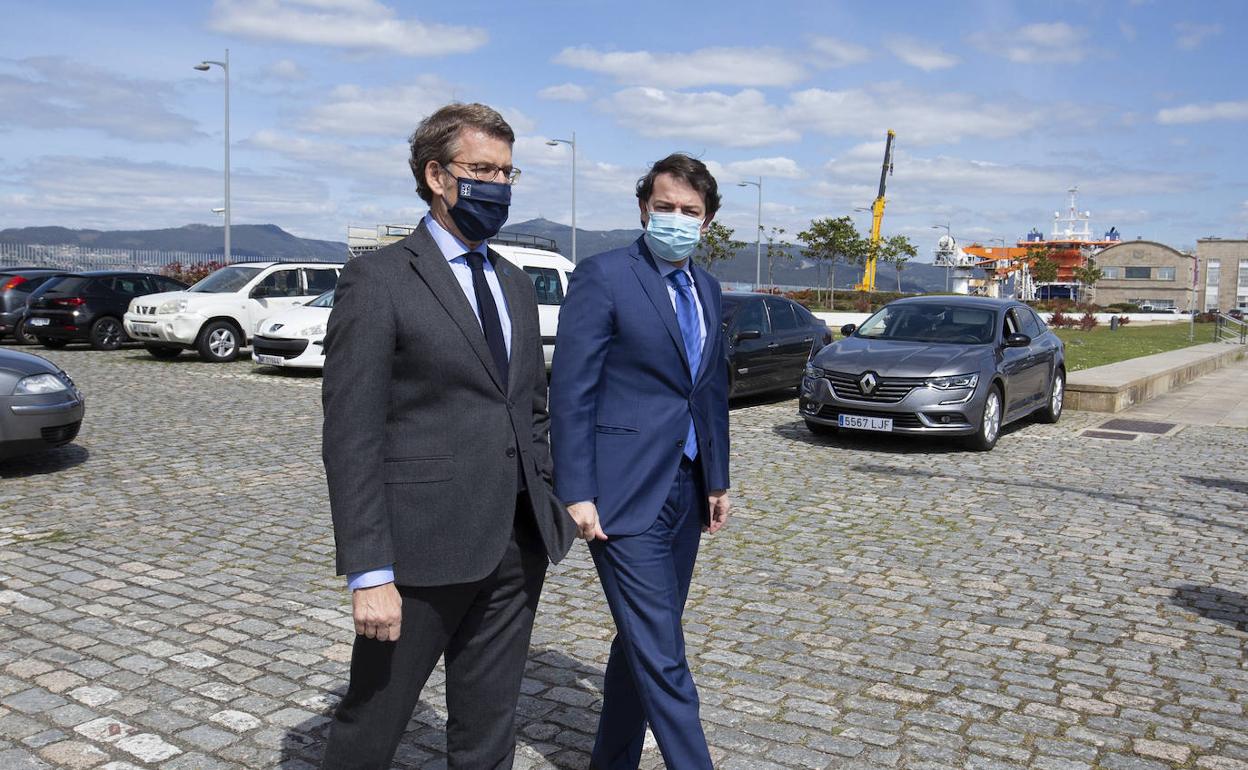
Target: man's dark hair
[
  {"x": 691, "y": 170},
  {"x": 437, "y": 137}
]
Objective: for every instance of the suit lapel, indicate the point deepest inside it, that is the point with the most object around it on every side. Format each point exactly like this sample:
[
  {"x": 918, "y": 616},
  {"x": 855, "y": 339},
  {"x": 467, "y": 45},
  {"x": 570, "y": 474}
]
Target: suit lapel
[
  {"x": 512, "y": 293},
  {"x": 432, "y": 267},
  {"x": 702, "y": 280},
  {"x": 656, "y": 289}
]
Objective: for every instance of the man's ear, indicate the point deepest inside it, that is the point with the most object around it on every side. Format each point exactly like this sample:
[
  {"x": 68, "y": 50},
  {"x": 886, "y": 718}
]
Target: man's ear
[
  {"x": 434, "y": 178},
  {"x": 706, "y": 223},
  {"x": 645, "y": 212}
]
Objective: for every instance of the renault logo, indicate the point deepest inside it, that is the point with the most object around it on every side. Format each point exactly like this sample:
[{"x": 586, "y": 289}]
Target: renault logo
[{"x": 867, "y": 383}]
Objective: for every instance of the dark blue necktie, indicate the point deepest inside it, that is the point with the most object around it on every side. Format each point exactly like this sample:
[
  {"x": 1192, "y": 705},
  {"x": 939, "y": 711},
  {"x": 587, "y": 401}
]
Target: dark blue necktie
[
  {"x": 488, "y": 312},
  {"x": 687, "y": 317}
]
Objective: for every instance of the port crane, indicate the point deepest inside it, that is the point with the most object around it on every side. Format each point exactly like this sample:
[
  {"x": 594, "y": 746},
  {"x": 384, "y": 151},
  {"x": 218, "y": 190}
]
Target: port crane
[{"x": 877, "y": 216}]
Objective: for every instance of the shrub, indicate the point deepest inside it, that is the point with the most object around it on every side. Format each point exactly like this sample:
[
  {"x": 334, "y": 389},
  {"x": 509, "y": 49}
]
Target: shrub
[
  {"x": 1087, "y": 322},
  {"x": 191, "y": 273},
  {"x": 1123, "y": 320},
  {"x": 1059, "y": 320}
]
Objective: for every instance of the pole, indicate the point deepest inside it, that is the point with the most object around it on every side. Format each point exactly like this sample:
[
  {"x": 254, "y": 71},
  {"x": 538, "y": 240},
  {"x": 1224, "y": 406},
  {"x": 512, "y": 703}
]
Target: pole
[
  {"x": 758, "y": 240},
  {"x": 573, "y": 197},
  {"x": 226, "y": 68}
]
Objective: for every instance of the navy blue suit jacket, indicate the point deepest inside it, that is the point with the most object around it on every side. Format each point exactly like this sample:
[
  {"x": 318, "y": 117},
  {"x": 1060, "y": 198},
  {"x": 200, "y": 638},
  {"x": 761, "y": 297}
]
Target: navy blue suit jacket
[{"x": 621, "y": 391}]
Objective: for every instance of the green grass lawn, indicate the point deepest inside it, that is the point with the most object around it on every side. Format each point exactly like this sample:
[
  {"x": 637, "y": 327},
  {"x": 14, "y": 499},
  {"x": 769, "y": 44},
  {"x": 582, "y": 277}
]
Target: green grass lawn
[{"x": 1101, "y": 346}]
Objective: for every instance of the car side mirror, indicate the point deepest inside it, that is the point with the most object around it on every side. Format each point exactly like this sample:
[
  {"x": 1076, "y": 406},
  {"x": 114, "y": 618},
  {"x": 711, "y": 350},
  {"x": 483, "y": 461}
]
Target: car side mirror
[
  {"x": 848, "y": 329},
  {"x": 749, "y": 334},
  {"x": 1017, "y": 341}
]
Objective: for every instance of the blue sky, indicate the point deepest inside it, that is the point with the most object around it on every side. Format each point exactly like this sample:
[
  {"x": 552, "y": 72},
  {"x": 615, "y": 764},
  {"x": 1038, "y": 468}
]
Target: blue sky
[{"x": 998, "y": 108}]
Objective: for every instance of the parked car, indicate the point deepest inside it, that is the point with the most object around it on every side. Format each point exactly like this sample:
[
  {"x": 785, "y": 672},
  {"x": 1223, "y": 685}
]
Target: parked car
[
  {"x": 88, "y": 307},
  {"x": 961, "y": 366},
  {"x": 219, "y": 315},
  {"x": 549, "y": 272},
  {"x": 40, "y": 407},
  {"x": 294, "y": 337},
  {"x": 770, "y": 339},
  {"x": 16, "y": 286}
]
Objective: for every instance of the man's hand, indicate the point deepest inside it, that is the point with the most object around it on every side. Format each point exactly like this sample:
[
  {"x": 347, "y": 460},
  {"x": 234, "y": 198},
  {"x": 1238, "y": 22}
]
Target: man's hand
[
  {"x": 378, "y": 612},
  {"x": 586, "y": 517},
  {"x": 720, "y": 506}
]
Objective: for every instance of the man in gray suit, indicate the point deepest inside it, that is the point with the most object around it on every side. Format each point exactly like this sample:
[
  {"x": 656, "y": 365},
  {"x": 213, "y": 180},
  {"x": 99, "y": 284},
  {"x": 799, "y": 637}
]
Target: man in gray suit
[{"x": 437, "y": 458}]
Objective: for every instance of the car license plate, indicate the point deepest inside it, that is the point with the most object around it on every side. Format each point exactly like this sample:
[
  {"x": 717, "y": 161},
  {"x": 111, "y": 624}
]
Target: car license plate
[
  {"x": 39, "y": 322},
  {"x": 865, "y": 423},
  {"x": 270, "y": 360}
]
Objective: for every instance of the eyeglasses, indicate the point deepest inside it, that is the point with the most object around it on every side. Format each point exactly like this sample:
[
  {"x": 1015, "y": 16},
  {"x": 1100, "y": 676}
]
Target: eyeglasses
[{"x": 488, "y": 172}]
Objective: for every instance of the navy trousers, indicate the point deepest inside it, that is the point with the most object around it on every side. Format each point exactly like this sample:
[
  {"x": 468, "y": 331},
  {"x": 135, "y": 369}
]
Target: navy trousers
[{"x": 646, "y": 580}]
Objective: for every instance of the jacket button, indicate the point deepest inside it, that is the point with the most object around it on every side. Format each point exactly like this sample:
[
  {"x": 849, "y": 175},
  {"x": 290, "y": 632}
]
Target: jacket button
[
  {"x": 511, "y": 451},
  {"x": 681, "y": 443}
]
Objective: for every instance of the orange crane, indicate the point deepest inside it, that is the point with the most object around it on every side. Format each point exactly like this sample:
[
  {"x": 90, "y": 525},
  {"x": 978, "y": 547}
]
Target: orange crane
[{"x": 877, "y": 216}]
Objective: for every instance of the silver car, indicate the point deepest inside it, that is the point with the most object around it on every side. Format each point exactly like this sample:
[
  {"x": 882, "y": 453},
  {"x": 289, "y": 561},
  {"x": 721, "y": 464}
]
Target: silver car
[
  {"x": 40, "y": 407},
  {"x": 954, "y": 366}
]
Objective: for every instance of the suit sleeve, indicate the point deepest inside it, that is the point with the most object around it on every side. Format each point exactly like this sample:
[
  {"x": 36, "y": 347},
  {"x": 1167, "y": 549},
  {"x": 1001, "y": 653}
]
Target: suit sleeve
[
  {"x": 586, "y": 326},
  {"x": 355, "y": 396},
  {"x": 718, "y": 475}
]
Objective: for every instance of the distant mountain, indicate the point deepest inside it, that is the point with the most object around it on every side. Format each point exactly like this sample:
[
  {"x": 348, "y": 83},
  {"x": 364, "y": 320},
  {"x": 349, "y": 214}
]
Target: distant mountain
[{"x": 260, "y": 241}]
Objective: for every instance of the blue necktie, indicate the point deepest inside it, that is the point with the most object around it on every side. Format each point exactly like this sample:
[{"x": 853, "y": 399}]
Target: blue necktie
[{"x": 687, "y": 317}]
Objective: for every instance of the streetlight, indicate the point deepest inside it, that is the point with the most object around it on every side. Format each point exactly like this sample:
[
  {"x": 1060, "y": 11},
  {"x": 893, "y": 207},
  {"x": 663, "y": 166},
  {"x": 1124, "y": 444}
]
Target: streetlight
[
  {"x": 758, "y": 241},
  {"x": 204, "y": 66},
  {"x": 947, "y": 264},
  {"x": 572, "y": 143}
]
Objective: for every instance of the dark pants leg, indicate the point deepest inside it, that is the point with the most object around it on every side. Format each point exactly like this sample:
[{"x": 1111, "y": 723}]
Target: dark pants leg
[
  {"x": 483, "y": 628},
  {"x": 646, "y": 580}
]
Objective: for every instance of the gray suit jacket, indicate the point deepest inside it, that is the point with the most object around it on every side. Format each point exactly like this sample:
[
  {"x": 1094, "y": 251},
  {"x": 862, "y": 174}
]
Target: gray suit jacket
[{"x": 420, "y": 435}]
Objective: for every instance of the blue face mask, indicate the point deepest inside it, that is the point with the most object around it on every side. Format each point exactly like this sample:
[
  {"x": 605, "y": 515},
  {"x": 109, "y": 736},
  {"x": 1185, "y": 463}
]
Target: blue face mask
[
  {"x": 672, "y": 236},
  {"x": 481, "y": 209}
]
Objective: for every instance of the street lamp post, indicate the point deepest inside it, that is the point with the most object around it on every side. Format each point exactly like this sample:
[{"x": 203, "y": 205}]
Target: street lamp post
[
  {"x": 204, "y": 66},
  {"x": 571, "y": 143},
  {"x": 947, "y": 265},
  {"x": 758, "y": 241}
]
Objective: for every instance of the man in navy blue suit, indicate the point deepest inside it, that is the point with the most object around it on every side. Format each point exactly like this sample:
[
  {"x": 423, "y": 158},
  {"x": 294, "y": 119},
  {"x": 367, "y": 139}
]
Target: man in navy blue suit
[{"x": 639, "y": 435}]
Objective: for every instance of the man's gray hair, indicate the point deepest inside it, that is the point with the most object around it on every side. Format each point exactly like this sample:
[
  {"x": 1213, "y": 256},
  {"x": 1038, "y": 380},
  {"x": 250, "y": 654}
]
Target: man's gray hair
[{"x": 437, "y": 137}]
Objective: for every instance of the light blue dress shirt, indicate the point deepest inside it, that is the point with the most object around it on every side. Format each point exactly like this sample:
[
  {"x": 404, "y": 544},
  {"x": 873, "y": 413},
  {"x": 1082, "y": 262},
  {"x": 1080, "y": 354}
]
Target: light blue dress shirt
[
  {"x": 666, "y": 269},
  {"x": 454, "y": 249}
]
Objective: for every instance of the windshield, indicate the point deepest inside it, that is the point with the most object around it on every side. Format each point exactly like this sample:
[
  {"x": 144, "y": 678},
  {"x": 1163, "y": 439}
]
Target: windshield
[
  {"x": 226, "y": 280},
  {"x": 931, "y": 322},
  {"x": 325, "y": 300}
]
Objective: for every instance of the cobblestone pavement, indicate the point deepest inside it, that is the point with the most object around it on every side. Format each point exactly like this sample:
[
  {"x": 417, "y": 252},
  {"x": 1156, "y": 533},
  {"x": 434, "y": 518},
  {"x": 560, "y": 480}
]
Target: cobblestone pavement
[{"x": 166, "y": 596}]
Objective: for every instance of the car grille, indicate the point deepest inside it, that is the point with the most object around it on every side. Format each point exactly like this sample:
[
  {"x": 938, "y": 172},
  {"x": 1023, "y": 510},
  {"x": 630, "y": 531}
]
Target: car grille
[
  {"x": 900, "y": 419},
  {"x": 271, "y": 346},
  {"x": 61, "y": 434},
  {"x": 890, "y": 390},
  {"x": 145, "y": 309}
]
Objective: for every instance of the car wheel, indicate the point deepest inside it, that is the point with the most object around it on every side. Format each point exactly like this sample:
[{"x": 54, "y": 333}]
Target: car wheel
[
  {"x": 1057, "y": 397},
  {"x": 107, "y": 334},
  {"x": 52, "y": 343},
  {"x": 989, "y": 430},
  {"x": 218, "y": 342},
  {"x": 819, "y": 429},
  {"x": 22, "y": 335},
  {"x": 163, "y": 351}
]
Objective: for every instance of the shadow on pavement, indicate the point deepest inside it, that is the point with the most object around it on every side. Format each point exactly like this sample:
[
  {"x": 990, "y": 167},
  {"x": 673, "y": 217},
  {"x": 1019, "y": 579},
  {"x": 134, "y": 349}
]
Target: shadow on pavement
[
  {"x": 538, "y": 726},
  {"x": 1229, "y": 607},
  {"x": 763, "y": 399},
  {"x": 1230, "y": 485},
  {"x": 42, "y": 463}
]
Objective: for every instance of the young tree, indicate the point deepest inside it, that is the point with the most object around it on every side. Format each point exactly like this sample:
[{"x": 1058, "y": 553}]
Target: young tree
[
  {"x": 897, "y": 251},
  {"x": 1087, "y": 275},
  {"x": 716, "y": 245},
  {"x": 777, "y": 248},
  {"x": 1043, "y": 266},
  {"x": 829, "y": 240}
]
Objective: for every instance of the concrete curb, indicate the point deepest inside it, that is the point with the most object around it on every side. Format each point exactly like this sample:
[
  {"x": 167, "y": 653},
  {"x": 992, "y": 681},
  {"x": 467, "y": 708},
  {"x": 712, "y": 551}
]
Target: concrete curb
[{"x": 1115, "y": 387}]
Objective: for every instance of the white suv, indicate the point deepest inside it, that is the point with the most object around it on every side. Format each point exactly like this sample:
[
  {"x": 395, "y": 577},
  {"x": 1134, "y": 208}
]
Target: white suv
[{"x": 219, "y": 315}]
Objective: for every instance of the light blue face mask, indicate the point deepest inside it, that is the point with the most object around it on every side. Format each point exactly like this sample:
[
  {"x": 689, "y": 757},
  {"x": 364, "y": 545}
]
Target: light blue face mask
[{"x": 673, "y": 236}]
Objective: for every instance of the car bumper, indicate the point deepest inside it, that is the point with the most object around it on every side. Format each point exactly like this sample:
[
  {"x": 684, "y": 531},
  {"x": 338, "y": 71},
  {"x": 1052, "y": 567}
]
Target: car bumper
[
  {"x": 297, "y": 353},
  {"x": 921, "y": 411},
  {"x": 178, "y": 329},
  {"x": 37, "y": 423}
]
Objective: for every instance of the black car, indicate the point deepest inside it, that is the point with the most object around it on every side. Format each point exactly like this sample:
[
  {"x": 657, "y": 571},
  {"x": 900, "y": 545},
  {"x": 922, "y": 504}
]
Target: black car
[
  {"x": 770, "y": 339},
  {"x": 89, "y": 306},
  {"x": 16, "y": 286}
]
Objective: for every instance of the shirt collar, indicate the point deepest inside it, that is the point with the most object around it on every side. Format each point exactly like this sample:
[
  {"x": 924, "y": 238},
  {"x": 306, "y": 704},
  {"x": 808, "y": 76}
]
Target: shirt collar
[
  {"x": 666, "y": 269},
  {"x": 450, "y": 246}
]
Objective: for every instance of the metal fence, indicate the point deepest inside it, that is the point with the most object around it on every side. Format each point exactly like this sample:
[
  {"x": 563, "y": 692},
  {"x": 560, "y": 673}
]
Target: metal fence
[{"x": 77, "y": 258}]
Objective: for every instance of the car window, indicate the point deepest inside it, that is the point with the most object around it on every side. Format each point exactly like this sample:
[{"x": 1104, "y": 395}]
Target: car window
[
  {"x": 325, "y": 300},
  {"x": 168, "y": 284},
  {"x": 931, "y": 322},
  {"x": 546, "y": 284},
  {"x": 751, "y": 317},
  {"x": 1027, "y": 322},
  {"x": 1039, "y": 321},
  {"x": 782, "y": 317},
  {"x": 320, "y": 280},
  {"x": 804, "y": 316},
  {"x": 1010, "y": 325},
  {"x": 227, "y": 280},
  {"x": 129, "y": 285},
  {"x": 279, "y": 283}
]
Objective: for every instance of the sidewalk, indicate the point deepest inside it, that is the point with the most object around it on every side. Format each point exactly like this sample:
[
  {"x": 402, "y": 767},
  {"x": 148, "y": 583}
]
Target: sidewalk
[{"x": 1218, "y": 398}]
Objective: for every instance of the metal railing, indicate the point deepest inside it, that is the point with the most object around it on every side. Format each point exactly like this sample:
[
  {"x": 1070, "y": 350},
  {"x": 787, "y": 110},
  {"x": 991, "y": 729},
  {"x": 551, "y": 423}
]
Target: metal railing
[
  {"x": 1228, "y": 329},
  {"x": 79, "y": 258}
]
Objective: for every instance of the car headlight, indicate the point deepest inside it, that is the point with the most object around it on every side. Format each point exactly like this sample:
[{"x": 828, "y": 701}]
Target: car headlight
[
  {"x": 171, "y": 306},
  {"x": 312, "y": 331},
  {"x": 39, "y": 384},
  {"x": 813, "y": 372},
  {"x": 955, "y": 381}
]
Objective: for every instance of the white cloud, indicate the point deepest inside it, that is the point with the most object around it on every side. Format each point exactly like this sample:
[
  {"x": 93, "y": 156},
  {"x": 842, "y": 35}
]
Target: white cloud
[
  {"x": 286, "y": 69},
  {"x": 372, "y": 166},
  {"x": 1202, "y": 113},
  {"x": 50, "y": 93},
  {"x": 1128, "y": 30},
  {"x": 1191, "y": 35},
  {"x": 768, "y": 168},
  {"x": 565, "y": 92},
  {"x": 355, "y": 25},
  {"x": 353, "y": 110},
  {"x": 1055, "y": 42},
  {"x": 831, "y": 52},
  {"x": 741, "y": 120},
  {"x": 707, "y": 66},
  {"x": 921, "y": 54}
]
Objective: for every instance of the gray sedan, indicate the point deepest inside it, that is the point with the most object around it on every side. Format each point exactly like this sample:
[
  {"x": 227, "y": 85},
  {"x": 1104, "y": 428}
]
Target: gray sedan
[
  {"x": 960, "y": 366},
  {"x": 40, "y": 407}
]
